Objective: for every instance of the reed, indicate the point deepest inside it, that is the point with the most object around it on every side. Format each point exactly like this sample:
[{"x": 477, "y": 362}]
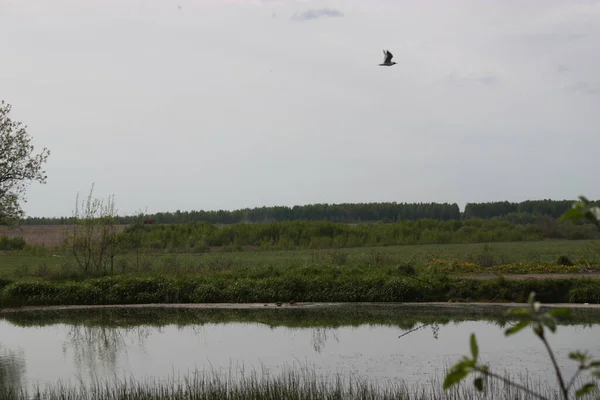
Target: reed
[{"x": 291, "y": 383}]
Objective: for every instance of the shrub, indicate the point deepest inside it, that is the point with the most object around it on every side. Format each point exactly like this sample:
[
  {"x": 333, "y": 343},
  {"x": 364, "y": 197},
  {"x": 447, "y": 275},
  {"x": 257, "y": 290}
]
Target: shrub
[
  {"x": 564, "y": 260},
  {"x": 406, "y": 269}
]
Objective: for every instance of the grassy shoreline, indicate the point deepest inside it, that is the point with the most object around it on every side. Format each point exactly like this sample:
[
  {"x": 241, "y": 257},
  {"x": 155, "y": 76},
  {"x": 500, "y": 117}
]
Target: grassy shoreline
[
  {"x": 130, "y": 289},
  {"x": 290, "y": 383},
  {"x": 425, "y": 273}
]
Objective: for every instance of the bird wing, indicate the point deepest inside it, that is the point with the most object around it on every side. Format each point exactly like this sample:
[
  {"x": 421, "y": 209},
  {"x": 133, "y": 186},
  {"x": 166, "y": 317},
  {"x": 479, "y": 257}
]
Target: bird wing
[
  {"x": 385, "y": 55},
  {"x": 388, "y": 57}
]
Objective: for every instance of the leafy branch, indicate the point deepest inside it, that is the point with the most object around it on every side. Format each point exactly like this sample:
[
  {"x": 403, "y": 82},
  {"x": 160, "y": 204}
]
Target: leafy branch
[
  {"x": 18, "y": 165},
  {"x": 539, "y": 321},
  {"x": 583, "y": 209}
]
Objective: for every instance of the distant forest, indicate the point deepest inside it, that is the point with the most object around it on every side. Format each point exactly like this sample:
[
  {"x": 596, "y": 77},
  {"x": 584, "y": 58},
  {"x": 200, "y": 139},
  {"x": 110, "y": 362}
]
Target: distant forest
[{"x": 524, "y": 212}]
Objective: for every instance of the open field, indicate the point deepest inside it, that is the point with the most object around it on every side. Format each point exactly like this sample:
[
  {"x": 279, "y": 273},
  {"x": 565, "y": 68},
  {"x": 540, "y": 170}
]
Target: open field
[
  {"x": 41, "y": 235},
  {"x": 494, "y": 258},
  {"x": 388, "y": 274}
]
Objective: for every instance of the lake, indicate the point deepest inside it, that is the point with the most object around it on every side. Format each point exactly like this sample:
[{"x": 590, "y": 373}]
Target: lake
[{"x": 398, "y": 342}]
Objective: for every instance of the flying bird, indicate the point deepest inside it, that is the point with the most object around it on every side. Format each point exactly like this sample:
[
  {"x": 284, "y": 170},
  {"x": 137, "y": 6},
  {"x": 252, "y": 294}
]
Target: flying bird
[{"x": 387, "y": 59}]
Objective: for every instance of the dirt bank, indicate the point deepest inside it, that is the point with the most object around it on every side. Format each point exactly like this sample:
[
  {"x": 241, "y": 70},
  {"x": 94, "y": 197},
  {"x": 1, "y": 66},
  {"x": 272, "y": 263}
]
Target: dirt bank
[{"x": 449, "y": 306}]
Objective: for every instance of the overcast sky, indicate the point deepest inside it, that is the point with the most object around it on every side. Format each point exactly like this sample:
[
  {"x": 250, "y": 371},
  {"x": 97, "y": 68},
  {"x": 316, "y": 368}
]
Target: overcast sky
[{"x": 197, "y": 104}]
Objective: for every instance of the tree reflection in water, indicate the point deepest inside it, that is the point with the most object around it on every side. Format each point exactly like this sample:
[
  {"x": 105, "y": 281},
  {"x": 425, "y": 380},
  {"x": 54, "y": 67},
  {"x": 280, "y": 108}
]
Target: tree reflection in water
[
  {"x": 12, "y": 368},
  {"x": 99, "y": 347},
  {"x": 320, "y": 337},
  {"x": 435, "y": 329}
]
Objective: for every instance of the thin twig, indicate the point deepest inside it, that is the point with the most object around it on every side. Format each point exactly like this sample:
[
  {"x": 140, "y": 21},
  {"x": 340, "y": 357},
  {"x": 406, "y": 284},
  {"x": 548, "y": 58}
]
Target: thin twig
[
  {"x": 572, "y": 381},
  {"x": 557, "y": 369}
]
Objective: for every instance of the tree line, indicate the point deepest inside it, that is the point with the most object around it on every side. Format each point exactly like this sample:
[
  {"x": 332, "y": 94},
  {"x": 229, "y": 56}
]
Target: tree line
[
  {"x": 523, "y": 212},
  {"x": 505, "y": 209}
]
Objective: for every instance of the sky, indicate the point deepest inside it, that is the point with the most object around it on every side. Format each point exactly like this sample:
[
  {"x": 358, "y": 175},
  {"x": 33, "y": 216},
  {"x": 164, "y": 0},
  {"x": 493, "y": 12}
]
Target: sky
[{"x": 222, "y": 104}]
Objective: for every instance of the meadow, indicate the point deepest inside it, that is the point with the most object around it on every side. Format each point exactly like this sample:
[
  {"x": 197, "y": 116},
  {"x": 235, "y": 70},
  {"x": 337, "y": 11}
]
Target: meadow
[
  {"x": 389, "y": 274},
  {"x": 547, "y": 256},
  {"x": 307, "y": 261}
]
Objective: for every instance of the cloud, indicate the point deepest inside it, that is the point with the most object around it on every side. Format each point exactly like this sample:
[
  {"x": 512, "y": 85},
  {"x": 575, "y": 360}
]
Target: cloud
[{"x": 318, "y": 13}]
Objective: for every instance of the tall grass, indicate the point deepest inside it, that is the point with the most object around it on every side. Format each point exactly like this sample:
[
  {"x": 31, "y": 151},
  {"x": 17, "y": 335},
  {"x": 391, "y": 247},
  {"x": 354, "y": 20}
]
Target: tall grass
[{"x": 290, "y": 384}]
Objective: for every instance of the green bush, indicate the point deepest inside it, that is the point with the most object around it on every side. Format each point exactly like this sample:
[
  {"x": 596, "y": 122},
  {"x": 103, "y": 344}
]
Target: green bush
[
  {"x": 564, "y": 260},
  {"x": 325, "y": 287}
]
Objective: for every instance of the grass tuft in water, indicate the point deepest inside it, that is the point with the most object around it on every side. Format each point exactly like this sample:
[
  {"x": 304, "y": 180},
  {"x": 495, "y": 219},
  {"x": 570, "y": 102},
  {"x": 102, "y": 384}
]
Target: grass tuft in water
[{"x": 291, "y": 384}]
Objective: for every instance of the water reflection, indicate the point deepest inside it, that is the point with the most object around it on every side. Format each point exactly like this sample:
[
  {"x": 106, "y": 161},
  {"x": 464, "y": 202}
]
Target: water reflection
[
  {"x": 320, "y": 336},
  {"x": 12, "y": 367},
  {"x": 74, "y": 346},
  {"x": 435, "y": 329},
  {"x": 99, "y": 347}
]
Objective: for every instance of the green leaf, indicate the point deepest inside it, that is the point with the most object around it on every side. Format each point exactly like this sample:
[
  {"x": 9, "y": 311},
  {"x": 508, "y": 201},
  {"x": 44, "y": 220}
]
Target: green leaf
[
  {"x": 474, "y": 348},
  {"x": 560, "y": 312},
  {"x": 525, "y": 312},
  {"x": 514, "y": 329},
  {"x": 586, "y": 389},
  {"x": 459, "y": 371},
  {"x": 549, "y": 322},
  {"x": 595, "y": 363},
  {"x": 572, "y": 214},
  {"x": 454, "y": 377},
  {"x": 478, "y": 382},
  {"x": 466, "y": 364},
  {"x": 578, "y": 356}
]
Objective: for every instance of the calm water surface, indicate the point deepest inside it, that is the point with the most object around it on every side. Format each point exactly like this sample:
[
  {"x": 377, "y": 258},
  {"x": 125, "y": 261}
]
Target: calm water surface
[{"x": 100, "y": 344}]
